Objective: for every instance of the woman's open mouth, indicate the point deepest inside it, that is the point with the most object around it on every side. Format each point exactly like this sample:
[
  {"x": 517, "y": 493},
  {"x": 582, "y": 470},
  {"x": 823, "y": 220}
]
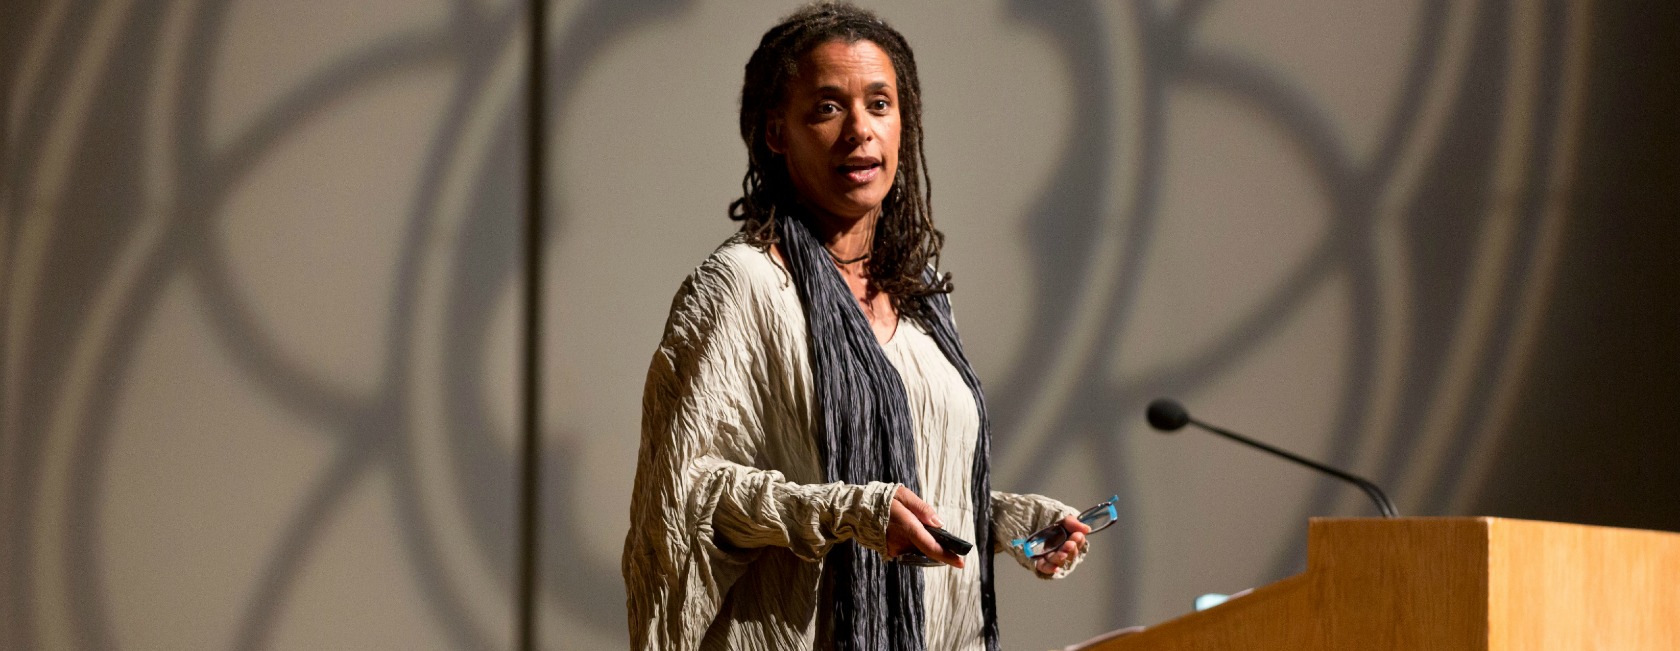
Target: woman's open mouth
[{"x": 860, "y": 171}]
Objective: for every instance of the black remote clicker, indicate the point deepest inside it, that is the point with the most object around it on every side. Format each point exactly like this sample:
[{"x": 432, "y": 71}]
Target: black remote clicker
[
  {"x": 946, "y": 541},
  {"x": 950, "y": 542}
]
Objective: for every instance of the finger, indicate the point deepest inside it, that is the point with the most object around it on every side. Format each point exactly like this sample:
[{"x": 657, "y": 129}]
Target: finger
[
  {"x": 903, "y": 528},
  {"x": 910, "y": 513},
  {"x": 922, "y": 510},
  {"x": 914, "y": 535},
  {"x": 1058, "y": 558},
  {"x": 1077, "y": 538},
  {"x": 1074, "y": 526}
]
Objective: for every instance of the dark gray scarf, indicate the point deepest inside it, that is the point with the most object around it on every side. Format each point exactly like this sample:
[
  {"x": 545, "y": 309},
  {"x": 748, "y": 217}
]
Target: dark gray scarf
[{"x": 865, "y": 435}]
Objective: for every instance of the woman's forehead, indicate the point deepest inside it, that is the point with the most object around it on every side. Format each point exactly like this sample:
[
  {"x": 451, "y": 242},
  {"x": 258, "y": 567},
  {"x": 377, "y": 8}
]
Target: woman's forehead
[{"x": 839, "y": 63}]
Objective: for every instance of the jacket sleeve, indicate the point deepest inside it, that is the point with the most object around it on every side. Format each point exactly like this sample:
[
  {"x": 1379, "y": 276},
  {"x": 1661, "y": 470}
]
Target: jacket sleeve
[
  {"x": 701, "y": 510},
  {"x": 1018, "y": 516}
]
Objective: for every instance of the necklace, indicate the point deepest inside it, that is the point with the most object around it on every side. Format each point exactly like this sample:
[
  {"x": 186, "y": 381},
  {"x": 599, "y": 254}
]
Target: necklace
[
  {"x": 843, "y": 263},
  {"x": 868, "y": 249}
]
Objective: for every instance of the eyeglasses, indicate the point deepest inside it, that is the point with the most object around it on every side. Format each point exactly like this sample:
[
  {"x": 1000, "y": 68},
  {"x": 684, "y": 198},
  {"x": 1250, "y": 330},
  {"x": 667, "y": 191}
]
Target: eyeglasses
[{"x": 1050, "y": 538}]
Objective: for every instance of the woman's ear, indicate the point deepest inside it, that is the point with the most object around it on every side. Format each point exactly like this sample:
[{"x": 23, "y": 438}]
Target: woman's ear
[{"x": 773, "y": 136}]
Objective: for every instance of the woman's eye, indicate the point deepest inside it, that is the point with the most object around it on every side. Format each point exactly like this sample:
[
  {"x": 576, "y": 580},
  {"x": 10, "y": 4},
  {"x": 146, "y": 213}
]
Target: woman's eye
[
  {"x": 880, "y": 105},
  {"x": 828, "y": 108}
]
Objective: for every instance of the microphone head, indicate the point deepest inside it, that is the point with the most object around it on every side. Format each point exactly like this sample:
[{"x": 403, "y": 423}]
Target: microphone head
[{"x": 1167, "y": 415}]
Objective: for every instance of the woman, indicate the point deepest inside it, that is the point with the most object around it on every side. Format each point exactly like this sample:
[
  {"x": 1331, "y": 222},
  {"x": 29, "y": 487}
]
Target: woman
[{"x": 809, "y": 411}]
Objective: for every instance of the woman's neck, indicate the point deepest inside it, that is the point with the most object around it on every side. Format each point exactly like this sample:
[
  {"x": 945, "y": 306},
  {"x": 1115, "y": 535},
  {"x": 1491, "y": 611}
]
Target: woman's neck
[
  {"x": 846, "y": 238},
  {"x": 849, "y": 241}
]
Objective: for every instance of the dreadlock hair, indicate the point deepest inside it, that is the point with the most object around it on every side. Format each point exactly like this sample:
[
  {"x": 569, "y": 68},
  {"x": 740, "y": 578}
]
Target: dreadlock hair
[{"x": 905, "y": 244}]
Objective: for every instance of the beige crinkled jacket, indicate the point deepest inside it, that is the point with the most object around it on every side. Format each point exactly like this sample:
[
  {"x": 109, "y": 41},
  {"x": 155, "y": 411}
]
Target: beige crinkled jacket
[{"x": 731, "y": 518}]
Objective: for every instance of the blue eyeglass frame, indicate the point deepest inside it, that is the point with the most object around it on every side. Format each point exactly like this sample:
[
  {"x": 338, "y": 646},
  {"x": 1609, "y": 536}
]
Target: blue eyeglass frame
[{"x": 1052, "y": 537}]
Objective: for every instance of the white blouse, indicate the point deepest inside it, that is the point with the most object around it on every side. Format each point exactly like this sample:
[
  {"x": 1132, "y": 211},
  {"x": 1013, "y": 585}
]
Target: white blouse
[{"x": 730, "y": 518}]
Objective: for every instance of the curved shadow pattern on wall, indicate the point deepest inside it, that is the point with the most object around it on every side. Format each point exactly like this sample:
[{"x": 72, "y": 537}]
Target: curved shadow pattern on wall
[
  {"x": 373, "y": 432},
  {"x": 1454, "y": 200}
]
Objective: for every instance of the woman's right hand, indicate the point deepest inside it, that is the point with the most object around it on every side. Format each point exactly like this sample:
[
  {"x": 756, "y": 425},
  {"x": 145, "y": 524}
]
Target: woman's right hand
[{"x": 906, "y": 529}]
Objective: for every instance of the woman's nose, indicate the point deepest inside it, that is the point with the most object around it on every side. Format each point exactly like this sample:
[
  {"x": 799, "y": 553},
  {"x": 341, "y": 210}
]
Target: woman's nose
[{"x": 857, "y": 130}]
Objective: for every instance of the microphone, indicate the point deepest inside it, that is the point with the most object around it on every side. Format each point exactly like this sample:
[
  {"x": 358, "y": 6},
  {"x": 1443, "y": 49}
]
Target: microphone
[{"x": 1167, "y": 415}]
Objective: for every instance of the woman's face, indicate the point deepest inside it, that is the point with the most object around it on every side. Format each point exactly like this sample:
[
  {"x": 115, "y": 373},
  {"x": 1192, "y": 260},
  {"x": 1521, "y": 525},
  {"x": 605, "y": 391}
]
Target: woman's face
[{"x": 839, "y": 129}]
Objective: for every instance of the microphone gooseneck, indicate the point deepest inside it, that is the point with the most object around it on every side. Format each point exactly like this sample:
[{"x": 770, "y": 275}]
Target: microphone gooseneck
[{"x": 1167, "y": 415}]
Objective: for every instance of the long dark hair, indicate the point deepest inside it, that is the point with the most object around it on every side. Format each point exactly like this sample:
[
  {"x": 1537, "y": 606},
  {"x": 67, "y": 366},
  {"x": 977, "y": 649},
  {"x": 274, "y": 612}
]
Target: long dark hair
[{"x": 906, "y": 244}]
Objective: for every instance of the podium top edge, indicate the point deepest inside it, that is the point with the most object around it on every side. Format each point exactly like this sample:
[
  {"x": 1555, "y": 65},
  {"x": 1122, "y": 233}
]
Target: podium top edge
[{"x": 1487, "y": 521}]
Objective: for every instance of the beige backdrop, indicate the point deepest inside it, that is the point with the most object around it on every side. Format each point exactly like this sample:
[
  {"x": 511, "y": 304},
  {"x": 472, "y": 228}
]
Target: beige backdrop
[{"x": 261, "y": 289}]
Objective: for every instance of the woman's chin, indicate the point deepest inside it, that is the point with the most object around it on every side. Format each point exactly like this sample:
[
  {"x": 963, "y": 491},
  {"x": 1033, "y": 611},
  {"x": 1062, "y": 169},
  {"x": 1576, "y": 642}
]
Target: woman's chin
[
  {"x": 857, "y": 205},
  {"x": 847, "y": 211}
]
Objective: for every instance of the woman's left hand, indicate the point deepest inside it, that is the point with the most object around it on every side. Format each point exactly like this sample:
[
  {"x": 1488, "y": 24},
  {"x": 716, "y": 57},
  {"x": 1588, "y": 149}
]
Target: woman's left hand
[{"x": 1064, "y": 555}]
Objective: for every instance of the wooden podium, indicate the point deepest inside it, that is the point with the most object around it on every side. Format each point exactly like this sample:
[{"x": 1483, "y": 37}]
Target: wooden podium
[{"x": 1445, "y": 584}]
